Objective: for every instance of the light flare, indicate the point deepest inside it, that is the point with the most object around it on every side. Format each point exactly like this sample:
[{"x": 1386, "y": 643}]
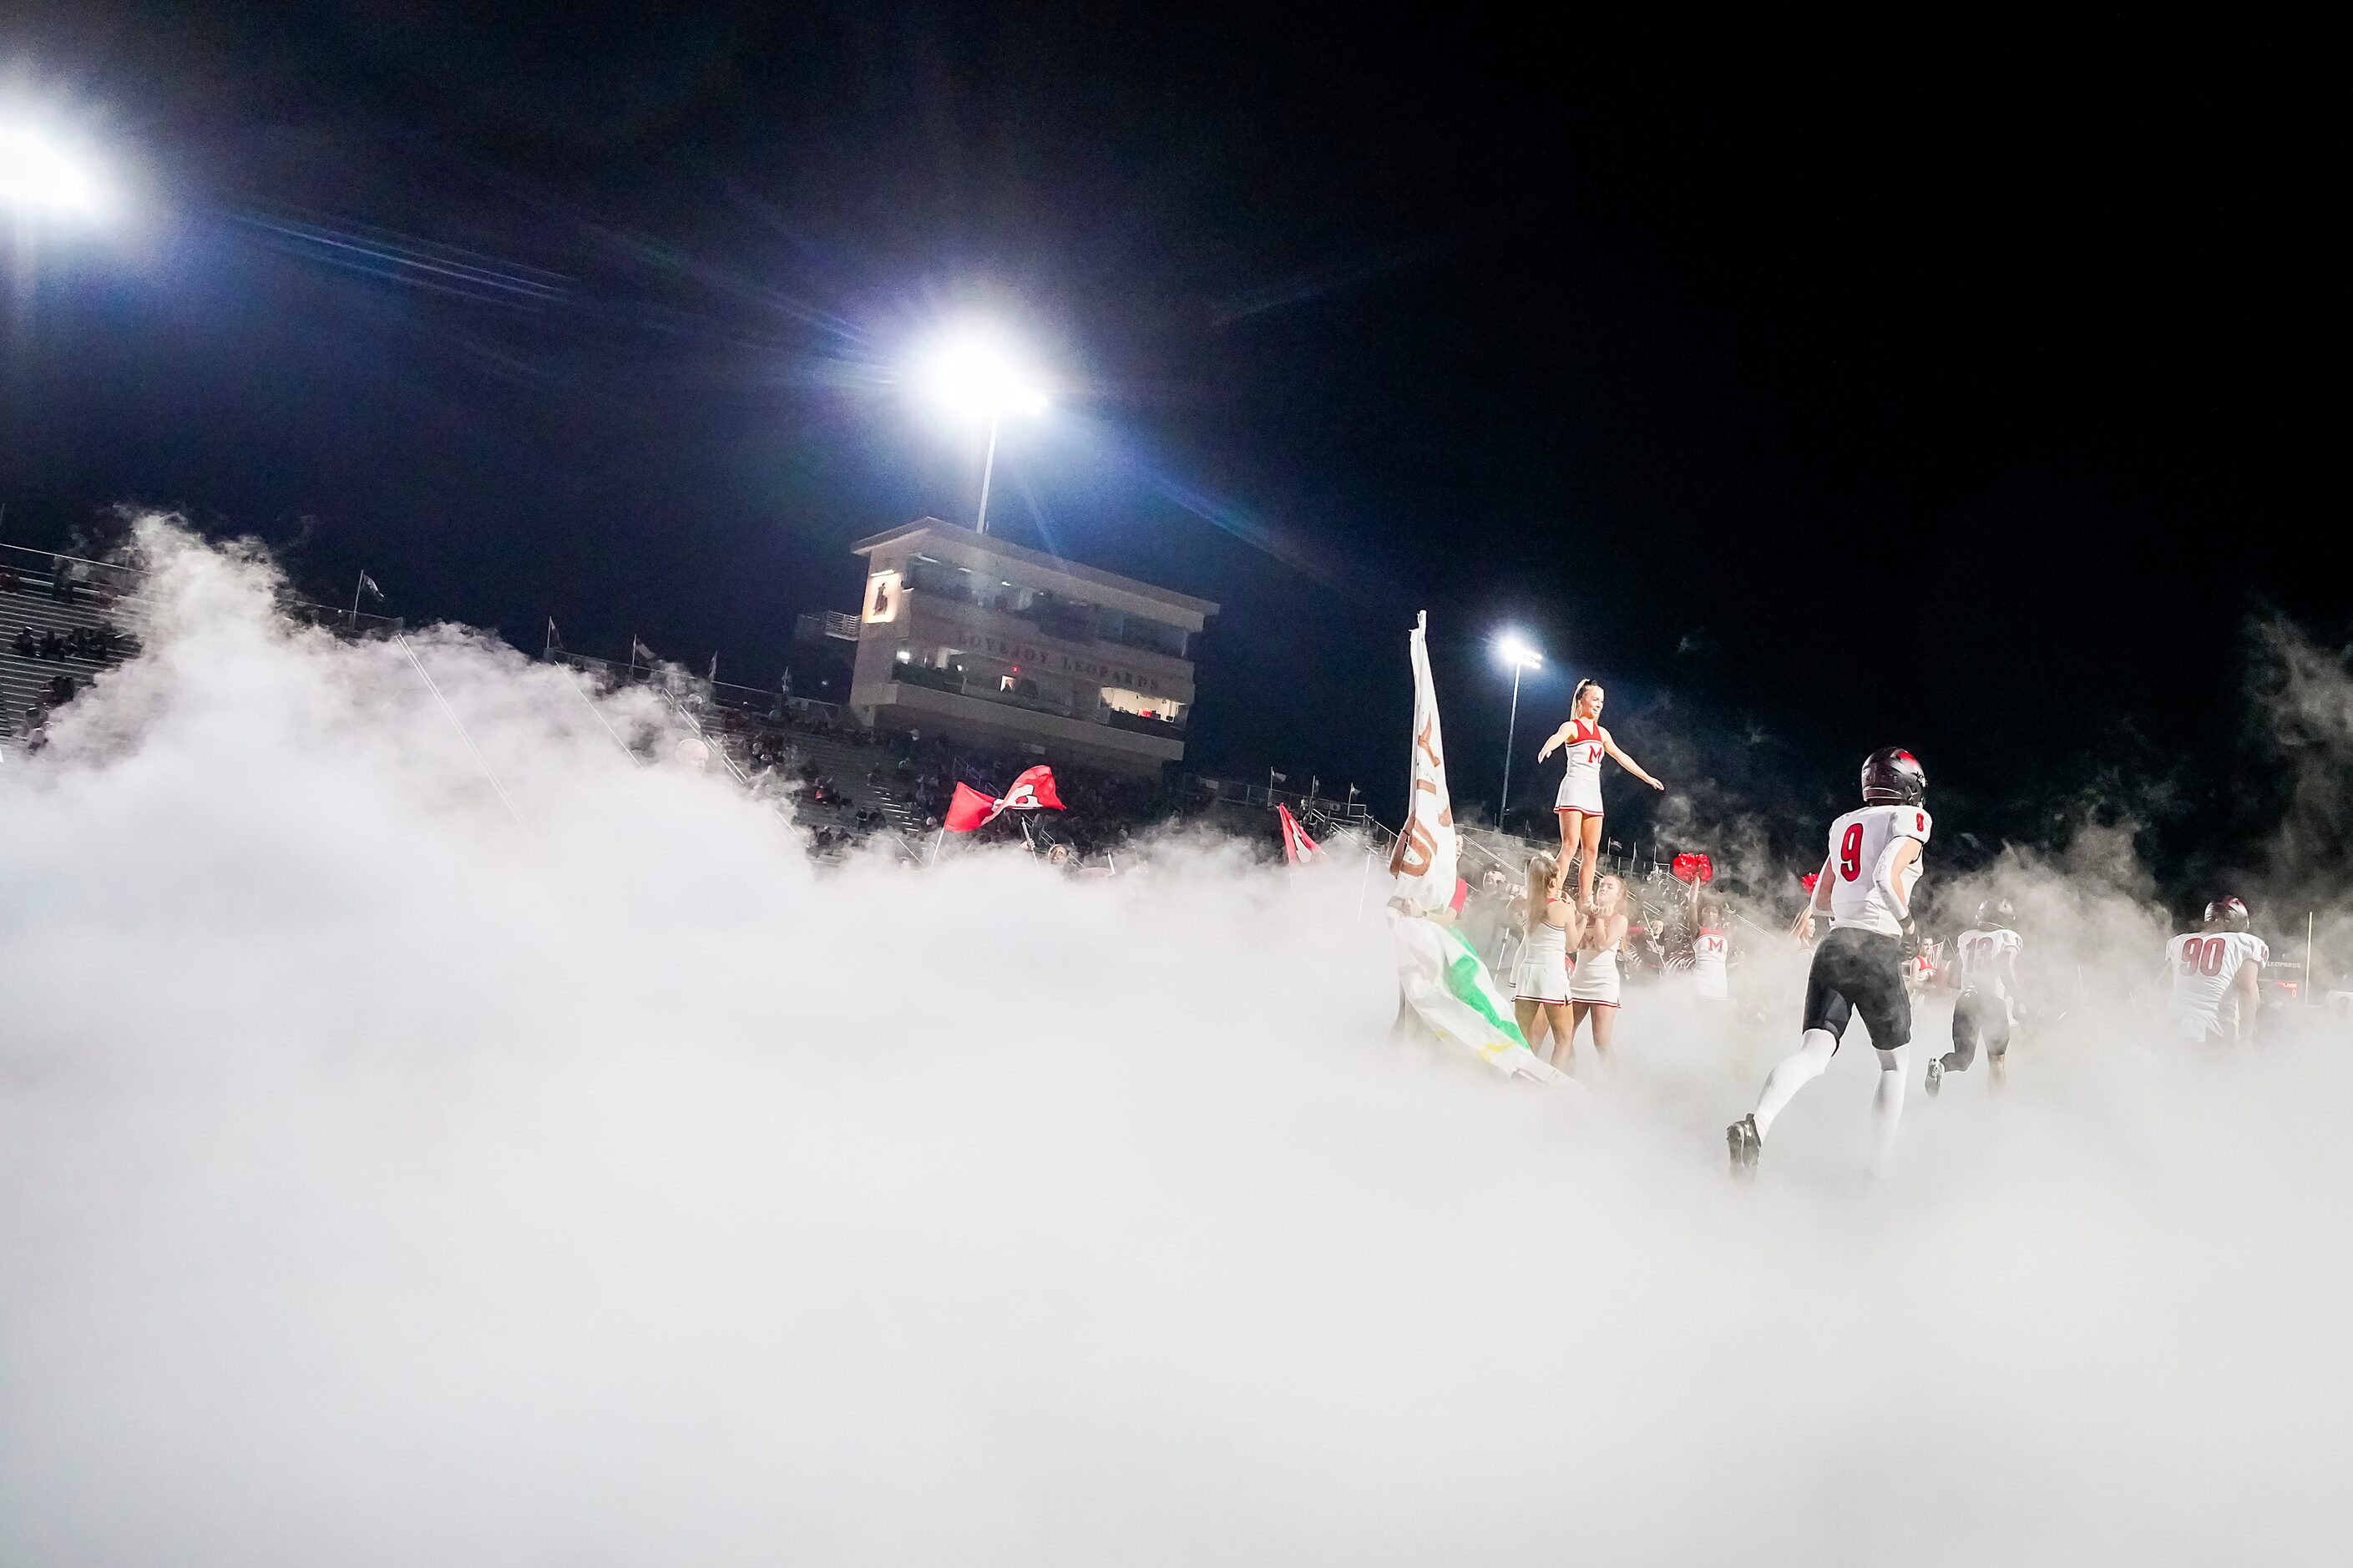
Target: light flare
[{"x": 42, "y": 175}]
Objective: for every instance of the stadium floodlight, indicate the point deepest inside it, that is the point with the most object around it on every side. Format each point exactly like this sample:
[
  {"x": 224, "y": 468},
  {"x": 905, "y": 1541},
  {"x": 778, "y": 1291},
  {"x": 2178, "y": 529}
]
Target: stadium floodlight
[
  {"x": 1515, "y": 650},
  {"x": 41, "y": 176},
  {"x": 975, "y": 373}
]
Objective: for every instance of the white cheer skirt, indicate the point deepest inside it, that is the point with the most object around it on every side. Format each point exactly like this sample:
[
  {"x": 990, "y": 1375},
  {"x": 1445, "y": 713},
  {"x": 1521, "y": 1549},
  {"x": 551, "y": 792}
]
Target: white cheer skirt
[
  {"x": 1581, "y": 790},
  {"x": 1596, "y": 980},
  {"x": 1541, "y": 972}
]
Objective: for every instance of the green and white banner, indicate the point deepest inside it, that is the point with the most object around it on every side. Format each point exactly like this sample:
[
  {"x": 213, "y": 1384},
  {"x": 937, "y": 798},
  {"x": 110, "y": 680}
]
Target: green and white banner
[{"x": 1457, "y": 1000}]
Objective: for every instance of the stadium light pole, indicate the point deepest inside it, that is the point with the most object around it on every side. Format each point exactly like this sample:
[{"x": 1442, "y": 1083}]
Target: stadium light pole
[
  {"x": 1514, "y": 651},
  {"x": 975, "y": 373}
]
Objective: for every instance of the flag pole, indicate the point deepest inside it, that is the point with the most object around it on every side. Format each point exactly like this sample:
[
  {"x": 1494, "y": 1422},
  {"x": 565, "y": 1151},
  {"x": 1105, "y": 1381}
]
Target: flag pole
[
  {"x": 354, "y": 621},
  {"x": 2308, "y": 958}
]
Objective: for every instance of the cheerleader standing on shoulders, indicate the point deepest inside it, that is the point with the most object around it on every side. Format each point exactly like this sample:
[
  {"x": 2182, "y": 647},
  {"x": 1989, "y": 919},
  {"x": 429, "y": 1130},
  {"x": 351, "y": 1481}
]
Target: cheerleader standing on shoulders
[
  {"x": 1540, "y": 980},
  {"x": 1594, "y": 989},
  {"x": 1579, "y": 804}
]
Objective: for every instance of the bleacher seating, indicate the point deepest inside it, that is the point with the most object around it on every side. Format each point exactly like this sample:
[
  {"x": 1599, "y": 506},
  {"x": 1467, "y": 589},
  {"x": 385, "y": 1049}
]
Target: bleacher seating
[
  {"x": 838, "y": 775},
  {"x": 844, "y": 782},
  {"x": 30, "y": 604},
  {"x": 861, "y": 773}
]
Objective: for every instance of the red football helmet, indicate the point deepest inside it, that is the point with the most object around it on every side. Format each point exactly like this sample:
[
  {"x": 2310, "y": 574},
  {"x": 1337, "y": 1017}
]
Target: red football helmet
[{"x": 1893, "y": 776}]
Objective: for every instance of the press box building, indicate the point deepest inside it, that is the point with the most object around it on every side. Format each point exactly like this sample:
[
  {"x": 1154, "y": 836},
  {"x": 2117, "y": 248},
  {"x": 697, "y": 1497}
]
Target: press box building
[{"x": 970, "y": 635}]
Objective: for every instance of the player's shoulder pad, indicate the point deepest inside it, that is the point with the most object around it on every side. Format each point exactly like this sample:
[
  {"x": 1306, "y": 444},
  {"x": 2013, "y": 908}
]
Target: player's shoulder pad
[{"x": 1910, "y": 822}]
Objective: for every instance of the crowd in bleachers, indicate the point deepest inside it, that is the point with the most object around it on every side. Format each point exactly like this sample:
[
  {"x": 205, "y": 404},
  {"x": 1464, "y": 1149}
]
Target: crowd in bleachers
[
  {"x": 97, "y": 642},
  {"x": 920, "y": 772},
  {"x": 766, "y": 736},
  {"x": 764, "y": 747},
  {"x": 70, "y": 583},
  {"x": 1100, "y": 810}
]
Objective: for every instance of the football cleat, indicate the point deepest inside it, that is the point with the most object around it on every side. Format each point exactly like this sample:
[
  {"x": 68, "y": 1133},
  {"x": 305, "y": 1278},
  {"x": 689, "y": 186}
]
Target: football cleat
[{"x": 1745, "y": 1141}]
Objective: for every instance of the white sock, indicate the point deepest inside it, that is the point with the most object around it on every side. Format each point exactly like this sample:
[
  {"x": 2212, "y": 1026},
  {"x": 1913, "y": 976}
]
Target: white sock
[
  {"x": 1791, "y": 1074},
  {"x": 1887, "y": 1103}
]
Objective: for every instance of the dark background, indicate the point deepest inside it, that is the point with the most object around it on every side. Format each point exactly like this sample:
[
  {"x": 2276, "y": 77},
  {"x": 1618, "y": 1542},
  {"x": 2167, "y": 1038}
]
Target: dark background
[{"x": 1955, "y": 382}]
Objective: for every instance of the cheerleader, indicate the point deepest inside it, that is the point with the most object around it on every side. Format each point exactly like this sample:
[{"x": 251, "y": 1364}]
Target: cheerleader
[
  {"x": 1579, "y": 804},
  {"x": 1711, "y": 955},
  {"x": 1550, "y": 926},
  {"x": 1593, "y": 990}
]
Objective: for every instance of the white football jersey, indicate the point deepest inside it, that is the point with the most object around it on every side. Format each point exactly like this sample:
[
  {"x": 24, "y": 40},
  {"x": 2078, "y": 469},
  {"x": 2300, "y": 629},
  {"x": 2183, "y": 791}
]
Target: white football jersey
[
  {"x": 1980, "y": 953},
  {"x": 1711, "y": 953},
  {"x": 1859, "y": 840},
  {"x": 2204, "y": 965}
]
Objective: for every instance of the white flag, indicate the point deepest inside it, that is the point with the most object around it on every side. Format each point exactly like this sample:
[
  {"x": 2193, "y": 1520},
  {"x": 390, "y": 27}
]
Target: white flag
[
  {"x": 368, "y": 585},
  {"x": 1427, "y": 849}
]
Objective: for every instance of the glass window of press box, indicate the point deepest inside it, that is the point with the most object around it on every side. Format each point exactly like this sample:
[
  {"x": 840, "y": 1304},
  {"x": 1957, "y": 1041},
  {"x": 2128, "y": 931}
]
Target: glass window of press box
[{"x": 1055, "y": 614}]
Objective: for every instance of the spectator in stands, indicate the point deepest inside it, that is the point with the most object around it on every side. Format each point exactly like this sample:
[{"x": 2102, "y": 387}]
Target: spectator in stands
[
  {"x": 11, "y": 582},
  {"x": 52, "y": 645},
  {"x": 61, "y": 689},
  {"x": 26, "y": 645}
]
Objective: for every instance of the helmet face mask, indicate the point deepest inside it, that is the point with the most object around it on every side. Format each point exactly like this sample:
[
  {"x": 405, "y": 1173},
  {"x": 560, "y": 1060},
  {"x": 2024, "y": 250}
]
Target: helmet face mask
[
  {"x": 1995, "y": 912},
  {"x": 1894, "y": 776}
]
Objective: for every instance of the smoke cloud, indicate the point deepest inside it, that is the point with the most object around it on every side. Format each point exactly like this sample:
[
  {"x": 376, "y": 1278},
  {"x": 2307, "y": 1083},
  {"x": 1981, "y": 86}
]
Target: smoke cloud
[{"x": 386, "y": 1181}]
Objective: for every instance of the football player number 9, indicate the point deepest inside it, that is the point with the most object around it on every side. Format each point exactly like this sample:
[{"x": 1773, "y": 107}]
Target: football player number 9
[{"x": 1850, "y": 852}]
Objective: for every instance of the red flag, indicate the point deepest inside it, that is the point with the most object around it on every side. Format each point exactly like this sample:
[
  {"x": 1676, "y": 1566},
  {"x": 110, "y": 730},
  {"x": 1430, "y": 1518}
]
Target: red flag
[
  {"x": 969, "y": 809},
  {"x": 1297, "y": 847},
  {"x": 1034, "y": 788},
  {"x": 1032, "y": 791}
]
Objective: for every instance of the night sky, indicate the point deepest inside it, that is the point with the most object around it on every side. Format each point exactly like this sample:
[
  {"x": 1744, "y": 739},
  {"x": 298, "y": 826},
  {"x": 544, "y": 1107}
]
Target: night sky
[{"x": 1944, "y": 382}]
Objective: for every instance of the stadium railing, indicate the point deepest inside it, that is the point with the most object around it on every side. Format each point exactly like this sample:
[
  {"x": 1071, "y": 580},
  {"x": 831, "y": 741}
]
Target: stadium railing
[{"x": 1350, "y": 811}]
